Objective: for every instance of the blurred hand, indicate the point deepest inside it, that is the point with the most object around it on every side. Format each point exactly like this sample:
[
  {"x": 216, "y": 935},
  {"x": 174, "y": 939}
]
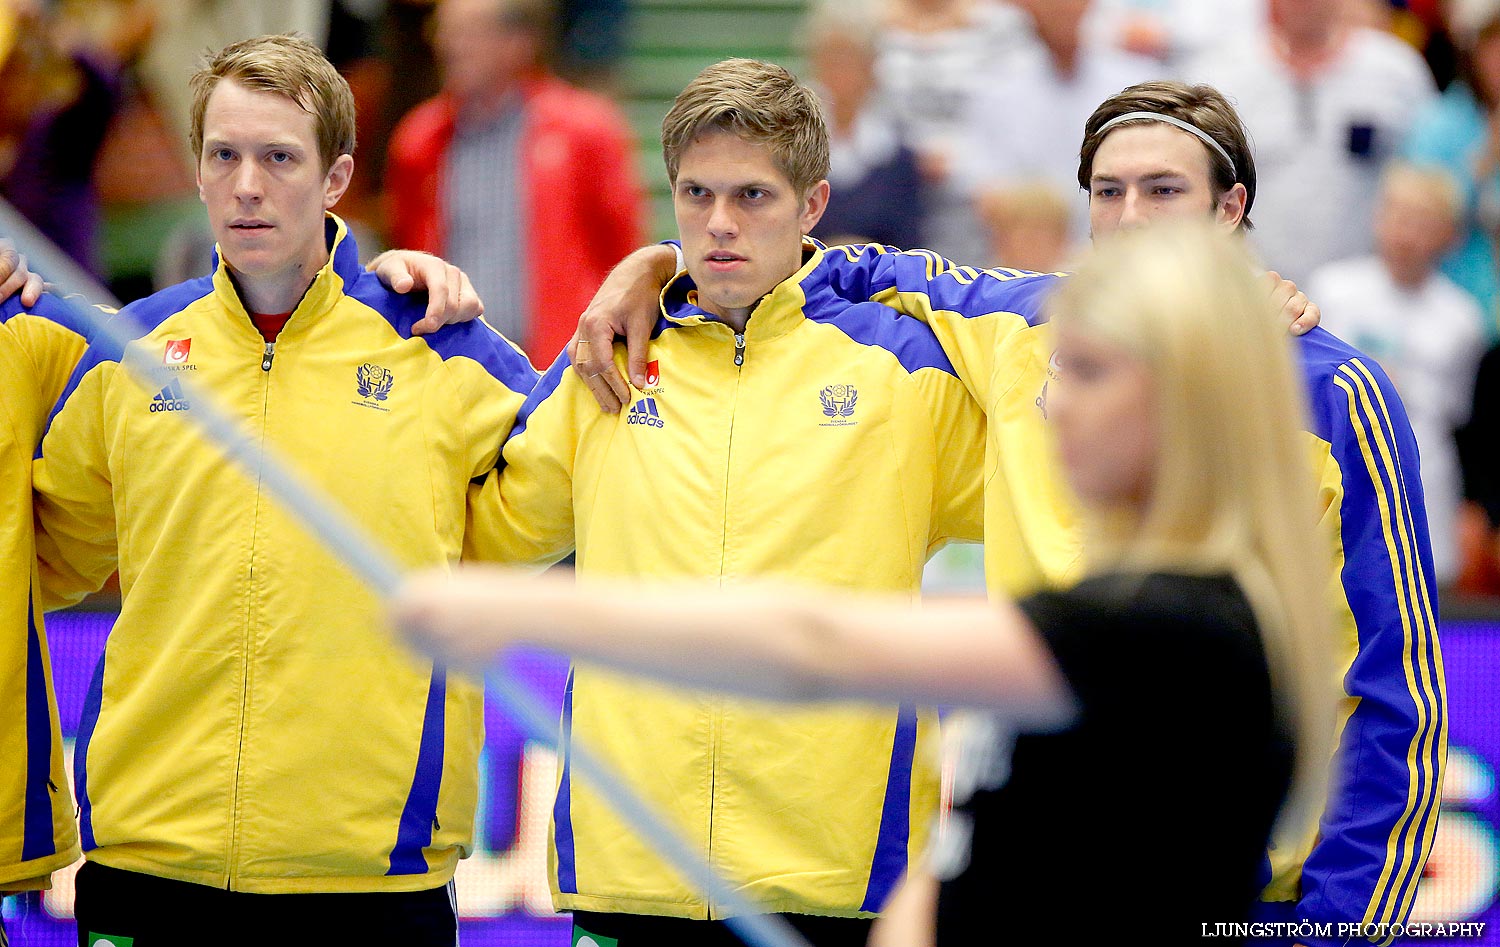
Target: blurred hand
[
  {"x": 16, "y": 278},
  {"x": 1301, "y": 313}
]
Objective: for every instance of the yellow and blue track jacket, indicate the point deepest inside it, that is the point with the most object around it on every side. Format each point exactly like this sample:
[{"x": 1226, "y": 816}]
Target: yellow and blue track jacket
[
  {"x": 829, "y": 443},
  {"x": 251, "y": 724},
  {"x": 38, "y": 349},
  {"x": 1378, "y": 826}
]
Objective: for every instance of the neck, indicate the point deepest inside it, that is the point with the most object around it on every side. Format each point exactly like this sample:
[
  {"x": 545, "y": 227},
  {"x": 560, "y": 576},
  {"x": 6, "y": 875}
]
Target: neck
[
  {"x": 736, "y": 319},
  {"x": 271, "y": 295},
  {"x": 485, "y": 105},
  {"x": 1305, "y": 50},
  {"x": 1409, "y": 278},
  {"x": 1064, "y": 55},
  {"x": 842, "y": 114}
]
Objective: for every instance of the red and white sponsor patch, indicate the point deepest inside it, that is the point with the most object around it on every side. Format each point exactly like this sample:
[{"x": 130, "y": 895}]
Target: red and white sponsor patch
[
  {"x": 653, "y": 373},
  {"x": 177, "y": 351}
]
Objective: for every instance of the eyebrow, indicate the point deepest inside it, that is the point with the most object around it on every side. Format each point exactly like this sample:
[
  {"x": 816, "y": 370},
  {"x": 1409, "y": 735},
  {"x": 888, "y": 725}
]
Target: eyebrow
[
  {"x": 1152, "y": 176},
  {"x": 273, "y": 145},
  {"x": 743, "y": 185}
]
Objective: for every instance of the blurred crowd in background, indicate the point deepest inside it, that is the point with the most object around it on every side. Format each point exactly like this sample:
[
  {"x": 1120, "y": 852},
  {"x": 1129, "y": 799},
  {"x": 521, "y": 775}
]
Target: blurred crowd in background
[{"x": 494, "y": 132}]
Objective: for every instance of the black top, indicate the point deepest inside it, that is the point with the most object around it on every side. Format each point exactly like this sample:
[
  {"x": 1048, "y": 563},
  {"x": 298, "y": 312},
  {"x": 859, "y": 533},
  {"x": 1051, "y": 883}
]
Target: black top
[{"x": 1156, "y": 806}]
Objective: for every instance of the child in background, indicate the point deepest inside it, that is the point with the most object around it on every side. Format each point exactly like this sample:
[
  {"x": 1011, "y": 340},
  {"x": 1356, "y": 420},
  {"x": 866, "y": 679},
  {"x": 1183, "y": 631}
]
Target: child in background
[{"x": 1423, "y": 329}]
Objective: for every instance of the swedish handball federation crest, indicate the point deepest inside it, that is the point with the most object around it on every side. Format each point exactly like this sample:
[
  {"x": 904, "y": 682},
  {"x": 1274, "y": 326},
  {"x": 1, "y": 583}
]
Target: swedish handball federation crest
[
  {"x": 372, "y": 381},
  {"x": 839, "y": 400}
]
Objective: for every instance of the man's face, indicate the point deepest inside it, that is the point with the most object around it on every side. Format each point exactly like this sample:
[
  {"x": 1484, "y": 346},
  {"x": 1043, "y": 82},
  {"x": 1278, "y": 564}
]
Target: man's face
[
  {"x": 740, "y": 220},
  {"x": 1152, "y": 171},
  {"x": 1412, "y": 232},
  {"x": 262, "y": 180},
  {"x": 479, "y": 54}
]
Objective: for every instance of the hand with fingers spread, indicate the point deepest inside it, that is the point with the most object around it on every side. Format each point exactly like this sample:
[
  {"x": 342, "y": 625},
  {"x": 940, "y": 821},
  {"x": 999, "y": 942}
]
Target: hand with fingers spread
[
  {"x": 626, "y": 305},
  {"x": 450, "y": 296},
  {"x": 16, "y": 278}
]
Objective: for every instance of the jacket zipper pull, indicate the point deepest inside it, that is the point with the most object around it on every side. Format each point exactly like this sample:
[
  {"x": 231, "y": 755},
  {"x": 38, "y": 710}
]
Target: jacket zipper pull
[
  {"x": 739, "y": 348},
  {"x": 265, "y": 363}
]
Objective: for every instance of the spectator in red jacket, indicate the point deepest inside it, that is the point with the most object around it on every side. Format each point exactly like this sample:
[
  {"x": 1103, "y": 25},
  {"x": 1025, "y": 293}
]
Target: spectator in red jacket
[{"x": 524, "y": 181}]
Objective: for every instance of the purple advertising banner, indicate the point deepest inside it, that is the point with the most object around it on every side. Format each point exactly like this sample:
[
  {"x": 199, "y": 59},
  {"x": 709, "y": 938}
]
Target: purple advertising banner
[{"x": 503, "y": 897}]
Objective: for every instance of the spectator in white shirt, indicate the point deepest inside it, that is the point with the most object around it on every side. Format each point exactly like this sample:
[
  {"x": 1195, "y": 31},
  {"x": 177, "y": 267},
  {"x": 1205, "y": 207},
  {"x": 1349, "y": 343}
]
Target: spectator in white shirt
[
  {"x": 1326, "y": 103},
  {"x": 1424, "y": 330},
  {"x": 1023, "y": 130}
]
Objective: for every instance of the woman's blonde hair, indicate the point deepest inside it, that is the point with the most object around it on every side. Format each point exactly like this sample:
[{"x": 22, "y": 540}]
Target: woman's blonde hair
[{"x": 1232, "y": 490}]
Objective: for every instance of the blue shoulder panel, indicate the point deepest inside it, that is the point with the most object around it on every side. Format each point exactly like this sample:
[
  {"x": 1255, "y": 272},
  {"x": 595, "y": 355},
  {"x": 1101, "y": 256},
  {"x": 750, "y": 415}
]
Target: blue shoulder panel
[
  {"x": 63, "y": 311},
  {"x": 475, "y": 340}
]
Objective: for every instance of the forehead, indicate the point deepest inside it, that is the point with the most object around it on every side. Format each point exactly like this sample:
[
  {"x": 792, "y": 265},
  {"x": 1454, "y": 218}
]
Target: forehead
[
  {"x": 1151, "y": 148},
  {"x": 482, "y": 15},
  {"x": 235, "y": 113},
  {"x": 723, "y": 158}
]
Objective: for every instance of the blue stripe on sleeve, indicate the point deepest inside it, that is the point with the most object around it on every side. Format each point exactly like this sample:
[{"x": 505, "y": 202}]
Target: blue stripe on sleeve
[
  {"x": 543, "y": 390},
  {"x": 889, "y": 862},
  {"x": 87, "y": 721},
  {"x": 858, "y": 273},
  {"x": 1379, "y": 825},
  {"x": 1408, "y": 845},
  {"x": 37, "y": 838},
  {"x": 420, "y": 812},
  {"x": 562, "y": 806}
]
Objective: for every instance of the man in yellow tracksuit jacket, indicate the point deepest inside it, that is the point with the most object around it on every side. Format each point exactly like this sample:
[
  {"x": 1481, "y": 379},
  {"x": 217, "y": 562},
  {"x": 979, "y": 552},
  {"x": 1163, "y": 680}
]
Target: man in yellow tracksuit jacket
[
  {"x": 782, "y": 432},
  {"x": 250, "y": 729},
  {"x": 38, "y": 348}
]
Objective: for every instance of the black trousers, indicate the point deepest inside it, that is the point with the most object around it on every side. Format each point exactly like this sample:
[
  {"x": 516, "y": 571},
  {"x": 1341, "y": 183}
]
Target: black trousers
[
  {"x": 640, "y": 930},
  {"x": 125, "y": 907}
]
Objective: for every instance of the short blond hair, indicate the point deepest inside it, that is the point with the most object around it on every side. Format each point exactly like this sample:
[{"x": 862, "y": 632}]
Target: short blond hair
[
  {"x": 761, "y": 103},
  {"x": 1232, "y": 487},
  {"x": 1431, "y": 184},
  {"x": 289, "y": 65}
]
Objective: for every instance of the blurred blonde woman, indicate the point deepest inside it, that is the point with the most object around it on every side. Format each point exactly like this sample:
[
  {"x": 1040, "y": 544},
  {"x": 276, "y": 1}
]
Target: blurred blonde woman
[{"x": 1149, "y": 723}]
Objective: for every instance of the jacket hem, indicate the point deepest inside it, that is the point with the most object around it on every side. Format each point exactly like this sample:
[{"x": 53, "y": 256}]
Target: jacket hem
[{"x": 309, "y": 884}]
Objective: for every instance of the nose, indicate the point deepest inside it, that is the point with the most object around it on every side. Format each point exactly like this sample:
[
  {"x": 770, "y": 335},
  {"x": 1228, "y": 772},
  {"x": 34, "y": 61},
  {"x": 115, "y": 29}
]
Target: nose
[
  {"x": 1132, "y": 209},
  {"x": 721, "y": 220},
  {"x": 247, "y": 182}
]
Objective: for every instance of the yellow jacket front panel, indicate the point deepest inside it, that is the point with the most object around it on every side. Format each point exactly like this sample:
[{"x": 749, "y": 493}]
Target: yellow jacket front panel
[
  {"x": 38, "y": 348},
  {"x": 829, "y": 444},
  {"x": 251, "y": 724}
]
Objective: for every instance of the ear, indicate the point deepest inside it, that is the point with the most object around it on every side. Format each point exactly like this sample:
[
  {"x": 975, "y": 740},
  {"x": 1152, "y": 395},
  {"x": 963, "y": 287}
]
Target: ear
[
  {"x": 198, "y": 179},
  {"x": 815, "y": 203},
  {"x": 1230, "y": 209},
  {"x": 336, "y": 182}
]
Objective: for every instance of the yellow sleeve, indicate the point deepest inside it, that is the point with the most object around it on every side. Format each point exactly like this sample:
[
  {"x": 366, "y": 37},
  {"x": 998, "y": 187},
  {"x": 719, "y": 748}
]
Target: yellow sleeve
[
  {"x": 75, "y": 512},
  {"x": 958, "y": 477},
  {"x": 521, "y": 512}
]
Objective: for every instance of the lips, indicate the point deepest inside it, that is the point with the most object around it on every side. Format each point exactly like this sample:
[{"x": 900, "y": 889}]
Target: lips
[
  {"x": 249, "y": 226},
  {"x": 723, "y": 260}
]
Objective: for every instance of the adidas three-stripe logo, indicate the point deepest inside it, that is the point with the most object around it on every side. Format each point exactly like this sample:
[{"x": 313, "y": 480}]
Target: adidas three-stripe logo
[
  {"x": 169, "y": 398},
  {"x": 644, "y": 412}
]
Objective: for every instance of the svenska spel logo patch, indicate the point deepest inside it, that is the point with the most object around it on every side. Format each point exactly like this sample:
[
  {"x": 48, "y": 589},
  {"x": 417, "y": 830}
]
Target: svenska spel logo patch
[
  {"x": 176, "y": 352},
  {"x": 653, "y": 373}
]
